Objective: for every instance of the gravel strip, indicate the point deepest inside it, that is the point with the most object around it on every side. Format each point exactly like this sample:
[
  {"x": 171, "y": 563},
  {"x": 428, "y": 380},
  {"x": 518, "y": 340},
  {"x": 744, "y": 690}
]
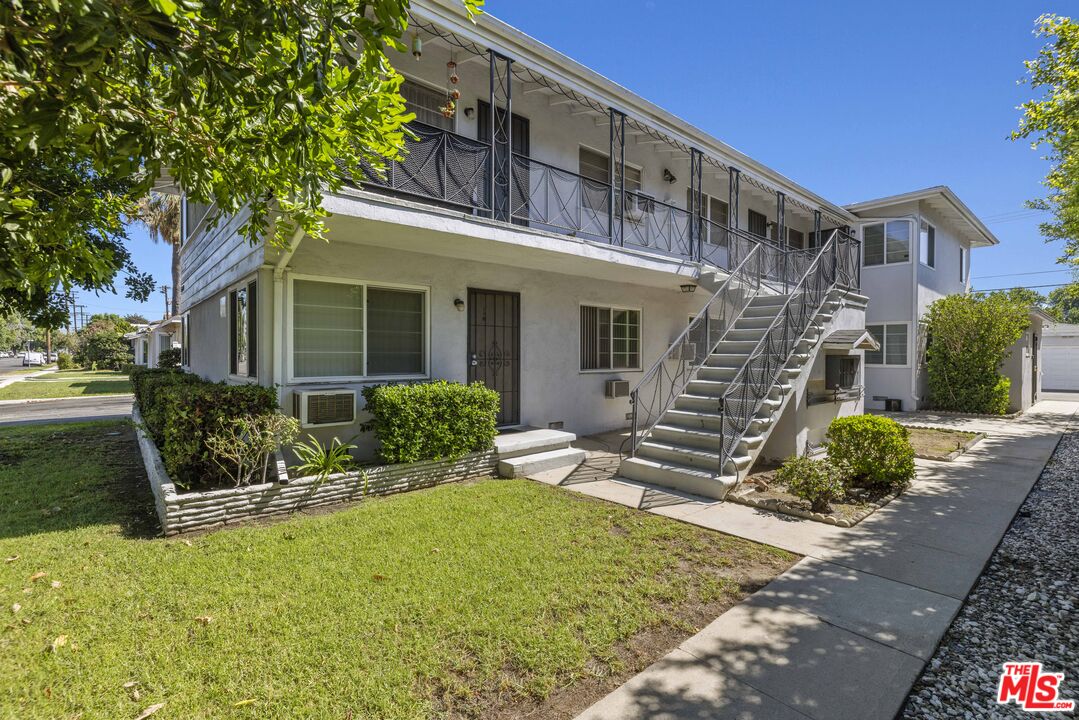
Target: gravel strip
[{"x": 1025, "y": 606}]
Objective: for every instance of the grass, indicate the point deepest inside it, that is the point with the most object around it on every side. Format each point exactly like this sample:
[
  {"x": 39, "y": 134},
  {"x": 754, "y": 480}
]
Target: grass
[
  {"x": 463, "y": 601},
  {"x": 68, "y": 383},
  {"x": 936, "y": 442}
]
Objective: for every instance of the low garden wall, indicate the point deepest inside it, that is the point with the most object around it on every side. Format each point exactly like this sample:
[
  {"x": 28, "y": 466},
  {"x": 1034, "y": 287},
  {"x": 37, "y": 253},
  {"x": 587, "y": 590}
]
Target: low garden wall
[{"x": 200, "y": 510}]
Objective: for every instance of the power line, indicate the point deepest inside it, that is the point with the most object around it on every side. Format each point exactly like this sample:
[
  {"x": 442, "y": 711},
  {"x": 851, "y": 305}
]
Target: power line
[
  {"x": 1022, "y": 287},
  {"x": 1035, "y": 272}
]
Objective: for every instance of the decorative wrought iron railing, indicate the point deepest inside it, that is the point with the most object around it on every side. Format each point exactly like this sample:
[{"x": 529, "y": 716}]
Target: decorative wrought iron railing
[
  {"x": 668, "y": 377},
  {"x": 657, "y": 226},
  {"x": 546, "y": 195},
  {"x": 754, "y": 381},
  {"x": 442, "y": 166}
]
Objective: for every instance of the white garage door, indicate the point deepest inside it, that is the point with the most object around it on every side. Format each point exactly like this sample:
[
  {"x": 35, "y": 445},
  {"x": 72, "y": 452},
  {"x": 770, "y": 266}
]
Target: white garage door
[{"x": 1060, "y": 368}]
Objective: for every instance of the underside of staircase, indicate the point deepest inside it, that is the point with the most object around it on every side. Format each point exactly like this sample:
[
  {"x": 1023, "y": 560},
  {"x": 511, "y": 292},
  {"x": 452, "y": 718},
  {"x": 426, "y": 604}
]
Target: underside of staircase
[{"x": 682, "y": 450}]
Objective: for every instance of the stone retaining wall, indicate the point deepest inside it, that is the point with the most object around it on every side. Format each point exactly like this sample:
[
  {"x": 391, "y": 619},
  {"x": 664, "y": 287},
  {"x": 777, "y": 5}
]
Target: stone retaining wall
[{"x": 185, "y": 511}]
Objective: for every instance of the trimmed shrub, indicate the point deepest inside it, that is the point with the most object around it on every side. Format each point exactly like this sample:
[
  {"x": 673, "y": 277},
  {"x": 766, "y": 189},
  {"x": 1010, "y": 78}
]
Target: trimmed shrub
[
  {"x": 431, "y": 421},
  {"x": 871, "y": 451},
  {"x": 64, "y": 361},
  {"x": 818, "y": 481},
  {"x": 147, "y": 385},
  {"x": 169, "y": 358}
]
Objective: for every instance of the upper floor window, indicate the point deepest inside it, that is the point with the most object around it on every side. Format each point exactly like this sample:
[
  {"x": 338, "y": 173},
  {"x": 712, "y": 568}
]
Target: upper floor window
[
  {"x": 425, "y": 103},
  {"x": 194, "y": 214},
  {"x": 610, "y": 338},
  {"x": 886, "y": 242},
  {"x": 893, "y": 344},
  {"x": 796, "y": 238},
  {"x": 242, "y": 331},
  {"x": 596, "y": 166},
  {"x": 962, "y": 264},
  {"x": 927, "y": 245},
  {"x": 758, "y": 223}
]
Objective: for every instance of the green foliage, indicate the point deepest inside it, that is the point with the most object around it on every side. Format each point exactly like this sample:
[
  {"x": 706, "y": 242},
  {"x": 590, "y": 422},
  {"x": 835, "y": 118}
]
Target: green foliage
[
  {"x": 181, "y": 411},
  {"x": 169, "y": 358},
  {"x": 1052, "y": 120},
  {"x": 1063, "y": 303},
  {"x": 242, "y": 446},
  {"x": 322, "y": 460},
  {"x": 432, "y": 421},
  {"x": 818, "y": 481},
  {"x": 871, "y": 451},
  {"x": 103, "y": 349},
  {"x": 64, "y": 361},
  {"x": 252, "y": 105},
  {"x": 970, "y": 336}
]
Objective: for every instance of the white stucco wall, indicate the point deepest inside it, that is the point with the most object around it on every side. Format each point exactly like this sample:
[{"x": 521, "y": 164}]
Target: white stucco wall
[{"x": 1019, "y": 367}]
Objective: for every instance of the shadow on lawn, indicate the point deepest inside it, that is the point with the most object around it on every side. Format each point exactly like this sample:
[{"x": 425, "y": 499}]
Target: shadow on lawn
[{"x": 61, "y": 477}]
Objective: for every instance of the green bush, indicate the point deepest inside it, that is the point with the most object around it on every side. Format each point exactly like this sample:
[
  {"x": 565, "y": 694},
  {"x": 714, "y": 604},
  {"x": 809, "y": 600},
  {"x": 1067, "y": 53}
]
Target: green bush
[
  {"x": 970, "y": 336},
  {"x": 181, "y": 410},
  {"x": 871, "y": 451},
  {"x": 169, "y": 358},
  {"x": 431, "y": 421},
  {"x": 818, "y": 481},
  {"x": 64, "y": 361}
]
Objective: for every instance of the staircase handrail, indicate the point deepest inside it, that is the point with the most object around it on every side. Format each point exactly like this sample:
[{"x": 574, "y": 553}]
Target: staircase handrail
[
  {"x": 748, "y": 278},
  {"x": 773, "y": 351}
]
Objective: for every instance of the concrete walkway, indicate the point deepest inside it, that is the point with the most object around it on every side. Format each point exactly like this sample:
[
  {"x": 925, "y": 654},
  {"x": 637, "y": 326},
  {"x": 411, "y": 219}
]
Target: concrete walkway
[
  {"x": 73, "y": 409},
  {"x": 847, "y": 630}
]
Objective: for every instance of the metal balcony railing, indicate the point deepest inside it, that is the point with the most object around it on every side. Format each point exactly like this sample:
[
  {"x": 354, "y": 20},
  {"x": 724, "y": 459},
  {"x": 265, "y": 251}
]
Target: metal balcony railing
[{"x": 546, "y": 195}]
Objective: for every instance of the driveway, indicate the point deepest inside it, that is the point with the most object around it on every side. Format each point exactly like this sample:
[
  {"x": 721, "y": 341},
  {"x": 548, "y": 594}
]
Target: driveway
[{"x": 93, "y": 407}]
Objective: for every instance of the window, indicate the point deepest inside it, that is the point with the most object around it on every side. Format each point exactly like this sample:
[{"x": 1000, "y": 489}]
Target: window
[
  {"x": 610, "y": 338},
  {"x": 886, "y": 243},
  {"x": 185, "y": 340},
  {"x": 796, "y": 239},
  {"x": 893, "y": 344},
  {"x": 962, "y": 264},
  {"x": 713, "y": 209},
  {"x": 425, "y": 103},
  {"x": 927, "y": 245},
  {"x": 758, "y": 223},
  {"x": 344, "y": 330},
  {"x": 242, "y": 329},
  {"x": 840, "y": 372},
  {"x": 596, "y": 166},
  {"x": 194, "y": 214}
]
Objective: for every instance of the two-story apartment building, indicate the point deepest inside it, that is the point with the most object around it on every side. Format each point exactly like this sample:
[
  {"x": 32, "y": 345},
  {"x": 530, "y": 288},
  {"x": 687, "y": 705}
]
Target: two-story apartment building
[
  {"x": 915, "y": 249},
  {"x": 550, "y": 234}
]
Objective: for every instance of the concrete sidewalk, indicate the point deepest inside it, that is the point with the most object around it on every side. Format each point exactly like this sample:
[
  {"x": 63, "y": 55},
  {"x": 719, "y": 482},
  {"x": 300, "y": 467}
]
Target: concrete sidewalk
[
  {"x": 847, "y": 630},
  {"x": 75, "y": 409}
]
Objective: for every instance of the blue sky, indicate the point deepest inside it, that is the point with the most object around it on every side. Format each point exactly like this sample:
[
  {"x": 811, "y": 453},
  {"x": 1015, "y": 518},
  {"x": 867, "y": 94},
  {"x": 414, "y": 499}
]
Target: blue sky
[{"x": 853, "y": 100}]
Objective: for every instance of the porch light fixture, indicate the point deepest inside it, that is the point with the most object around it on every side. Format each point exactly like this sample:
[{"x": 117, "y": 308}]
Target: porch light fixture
[
  {"x": 469, "y": 112},
  {"x": 669, "y": 176},
  {"x": 459, "y": 304},
  {"x": 417, "y": 46},
  {"x": 688, "y": 287}
]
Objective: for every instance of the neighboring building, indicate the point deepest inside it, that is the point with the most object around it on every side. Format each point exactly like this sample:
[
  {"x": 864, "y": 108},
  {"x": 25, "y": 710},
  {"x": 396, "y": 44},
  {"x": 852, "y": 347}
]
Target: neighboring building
[
  {"x": 148, "y": 341},
  {"x": 1024, "y": 365},
  {"x": 545, "y": 239},
  {"x": 1060, "y": 357},
  {"x": 915, "y": 249}
]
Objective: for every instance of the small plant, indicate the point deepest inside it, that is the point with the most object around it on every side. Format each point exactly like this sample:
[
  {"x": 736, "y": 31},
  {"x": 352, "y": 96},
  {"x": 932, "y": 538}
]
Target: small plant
[
  {"x": 817, "y": 481},
  {"x": 243, "y": 445},
  {"x": 871, "y": 451},
  {"x": 321, "y": 460},
  {"x": 64, "y": 361},
  {"x": 169, "y": 358}
]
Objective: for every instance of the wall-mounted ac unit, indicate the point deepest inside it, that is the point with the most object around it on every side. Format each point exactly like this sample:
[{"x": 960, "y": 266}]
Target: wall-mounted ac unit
[
  {"x": 322, "y": 408},
  {"x": 616, "y": 388}
]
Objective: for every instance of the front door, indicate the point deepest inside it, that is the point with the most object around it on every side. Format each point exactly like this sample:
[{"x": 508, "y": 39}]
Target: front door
[{"x": 494, "y": 347}]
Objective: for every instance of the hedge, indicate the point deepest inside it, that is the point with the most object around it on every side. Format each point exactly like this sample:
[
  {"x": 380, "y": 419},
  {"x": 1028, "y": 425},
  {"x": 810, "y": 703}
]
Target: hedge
[
  {"x": 431, "y": 421},
  {"x": 181, "y": 409},
  {"x": 871, "y": 451}
]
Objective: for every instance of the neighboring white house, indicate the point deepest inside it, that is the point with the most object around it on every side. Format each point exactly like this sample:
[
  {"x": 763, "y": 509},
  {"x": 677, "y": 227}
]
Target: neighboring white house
[
  {"x": 549, "y": 238},
  {"x": 148, "y": 341},
  {"x": 915, "y": 249},
  {"x": 1060, "y": 357}
]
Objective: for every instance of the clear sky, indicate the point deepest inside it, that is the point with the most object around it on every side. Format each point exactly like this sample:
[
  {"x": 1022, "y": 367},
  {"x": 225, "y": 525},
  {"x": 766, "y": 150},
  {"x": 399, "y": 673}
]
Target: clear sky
[{"x": 853, "y": 100}]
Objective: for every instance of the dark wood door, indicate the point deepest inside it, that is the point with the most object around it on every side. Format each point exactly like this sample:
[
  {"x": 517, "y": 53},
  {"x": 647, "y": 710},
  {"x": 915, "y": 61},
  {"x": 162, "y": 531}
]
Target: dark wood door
[
  {"x": 494, "y": 347},
  {"x": 521, "y": 145}
]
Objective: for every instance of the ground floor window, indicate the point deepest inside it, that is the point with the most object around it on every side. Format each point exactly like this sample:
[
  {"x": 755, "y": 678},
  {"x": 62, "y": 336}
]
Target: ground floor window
[
  {"x": 346, "y": 330},
  {"x": 610, "y": 338},
  {"x": 840, "y": 372},
  {"x": 242, "y": 331},
  {"x": 893, "y": 344},
  {"x": 185, "y": 340}
]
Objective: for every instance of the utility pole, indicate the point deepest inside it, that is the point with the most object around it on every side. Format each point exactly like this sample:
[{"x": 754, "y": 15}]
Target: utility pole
[
  {"x": 165, "y": 292},
  {"x": 82, "y": 316},
  {"x": 74, "y": 311}
]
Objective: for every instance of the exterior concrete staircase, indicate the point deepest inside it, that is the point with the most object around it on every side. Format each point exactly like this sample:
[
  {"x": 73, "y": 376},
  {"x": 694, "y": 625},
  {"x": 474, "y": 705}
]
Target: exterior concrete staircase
[{"x": 684, "y": 447}]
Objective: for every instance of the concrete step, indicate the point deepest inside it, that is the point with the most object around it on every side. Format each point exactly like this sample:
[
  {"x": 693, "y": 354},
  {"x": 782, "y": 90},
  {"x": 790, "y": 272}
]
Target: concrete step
[
  {"x": 529, "y": 442},
  {"x": 693, "y": 419},
  {"x": 707, "y": 372},
  {"x": 677, "y": 477},
  {"x": 525, "y": 465},
  {"x": 776, "y": 301},
  {"x": 701, "y": 459},
  {"x": 726, "y": 360},
  {"x": 736, "y": 347},
  {"x": 678, "y": 435},
  {"x": 757, "y": 311},
  {"x": 745, "y": 334}
]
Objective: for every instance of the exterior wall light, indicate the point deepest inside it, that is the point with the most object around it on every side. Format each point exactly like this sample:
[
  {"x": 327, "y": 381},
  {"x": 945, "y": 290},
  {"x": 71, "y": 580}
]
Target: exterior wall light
[
  {"x": 669, "y": 176},
  {"x": 688, "y": 287},
  {"x": 459, "y": 304},
  {"x": 469, "y": 112}
]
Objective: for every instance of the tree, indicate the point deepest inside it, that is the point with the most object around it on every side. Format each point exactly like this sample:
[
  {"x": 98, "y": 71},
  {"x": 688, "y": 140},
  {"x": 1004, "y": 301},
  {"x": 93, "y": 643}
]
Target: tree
[
  {"x": 16, "y": 331},
  {"x": 136, "y": 319},
  {"x": 1063, "y": 303},
  {"x": 111, "y": 321},
  {"x": 102, "y": 344},
  {"x": 1053, "y": 120},
  {"x": 247, "y": 105},
  {"x": 161, "y": 215}
]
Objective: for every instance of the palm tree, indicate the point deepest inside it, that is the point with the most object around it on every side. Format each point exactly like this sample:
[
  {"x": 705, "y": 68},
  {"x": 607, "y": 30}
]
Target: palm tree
[{"x": 160, "y": 214}]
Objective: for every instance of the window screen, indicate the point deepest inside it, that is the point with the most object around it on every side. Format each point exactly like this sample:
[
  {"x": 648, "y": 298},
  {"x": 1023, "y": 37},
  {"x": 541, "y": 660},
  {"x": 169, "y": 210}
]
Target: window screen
[
  {"x": 610, "y": 338},
  {"x": 327, "y": 329},
  {"x": 425, "y": 103},
  {"x": 395, "y": 332}
]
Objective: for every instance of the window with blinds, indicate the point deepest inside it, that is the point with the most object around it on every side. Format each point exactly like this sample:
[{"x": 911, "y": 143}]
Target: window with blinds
[
  {"x": 610, "y": 338},
  {"x": 893, "y": 344},
  {"x": 758, "y": 223},
  {"x": 596, "y": 166},
  {"x": 425, "y": 103},
  {"x": 796, "y": 238},
  {"x": 886, "y": 243},
  {"x": 344, "y": 330}
]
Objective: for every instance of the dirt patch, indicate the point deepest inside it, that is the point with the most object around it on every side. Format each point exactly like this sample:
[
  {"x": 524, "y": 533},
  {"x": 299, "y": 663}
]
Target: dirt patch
[{"x": 940, "y": 444}]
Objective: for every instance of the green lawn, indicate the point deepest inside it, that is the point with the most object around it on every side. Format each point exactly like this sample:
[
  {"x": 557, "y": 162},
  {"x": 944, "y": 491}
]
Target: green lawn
[
  {"x": 68, "y": 383},
  {"x": 463, "y": 601}
]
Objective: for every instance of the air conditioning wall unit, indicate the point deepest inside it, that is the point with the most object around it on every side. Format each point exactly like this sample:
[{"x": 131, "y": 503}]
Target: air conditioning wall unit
[
  {"x": 324, "y": 408},
  {"x": 616, "y": 388}
]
